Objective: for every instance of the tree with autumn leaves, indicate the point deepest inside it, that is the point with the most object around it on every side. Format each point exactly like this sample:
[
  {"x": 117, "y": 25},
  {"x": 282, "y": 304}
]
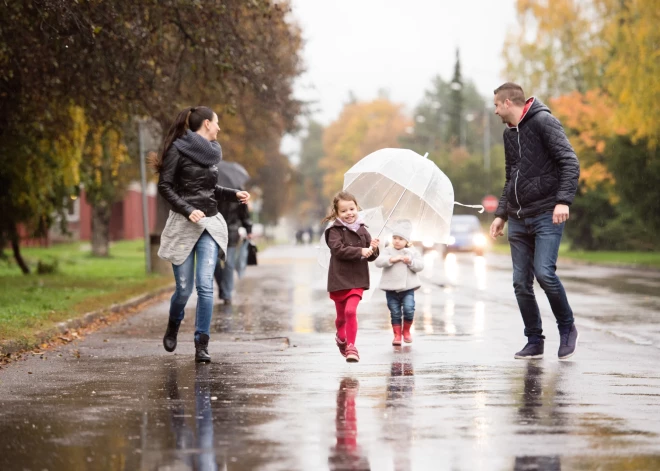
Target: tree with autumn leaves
[
  {"x": 72, "y": 66},
  {"x": 362, "y": 128},
  {"x": 596, "y": 63}
]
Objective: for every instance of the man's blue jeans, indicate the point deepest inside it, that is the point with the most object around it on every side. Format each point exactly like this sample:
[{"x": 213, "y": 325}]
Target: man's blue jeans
[
  {"x": 225, "y": 275},
  {"x": 401, "y": 302},
  {"x": 199, "y": 274},
  {"x": 534, "y": 246}
]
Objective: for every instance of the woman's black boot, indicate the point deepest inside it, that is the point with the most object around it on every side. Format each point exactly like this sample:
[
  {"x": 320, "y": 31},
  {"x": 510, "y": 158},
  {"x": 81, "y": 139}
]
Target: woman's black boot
[
  {"x": 202, "y": 349},
  {"x": 169, "y": 341}
]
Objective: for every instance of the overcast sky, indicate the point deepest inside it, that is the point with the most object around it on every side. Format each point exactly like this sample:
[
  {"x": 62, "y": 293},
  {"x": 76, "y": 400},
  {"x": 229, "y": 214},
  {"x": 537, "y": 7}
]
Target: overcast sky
[{"x": 398, "y": 45}]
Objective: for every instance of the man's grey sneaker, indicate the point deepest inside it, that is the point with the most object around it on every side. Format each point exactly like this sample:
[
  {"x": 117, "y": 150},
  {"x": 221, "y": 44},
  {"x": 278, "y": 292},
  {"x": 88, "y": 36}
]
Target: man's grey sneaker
[
  {"x": 568, "y": 342},
  {"x": 531, "y": 351}
]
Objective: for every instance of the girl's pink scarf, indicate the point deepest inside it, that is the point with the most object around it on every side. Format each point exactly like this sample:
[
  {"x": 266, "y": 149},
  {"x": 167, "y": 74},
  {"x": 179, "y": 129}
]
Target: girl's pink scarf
[{"x": 354, "y": 226}]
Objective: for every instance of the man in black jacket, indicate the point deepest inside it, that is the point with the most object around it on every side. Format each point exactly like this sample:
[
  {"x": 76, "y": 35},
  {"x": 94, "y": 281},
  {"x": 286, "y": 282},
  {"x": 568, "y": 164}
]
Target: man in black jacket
[
  {"x": 541, "y": 180},
  {"x": 236, "y": 215}
]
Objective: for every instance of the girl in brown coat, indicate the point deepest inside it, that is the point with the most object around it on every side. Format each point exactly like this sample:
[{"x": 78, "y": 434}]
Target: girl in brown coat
[{"x": 351, "y": 247}]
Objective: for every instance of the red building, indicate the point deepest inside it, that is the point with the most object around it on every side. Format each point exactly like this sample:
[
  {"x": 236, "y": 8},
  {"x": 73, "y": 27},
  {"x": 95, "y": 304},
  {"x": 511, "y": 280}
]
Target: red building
[{"x": 125, "y": 222}]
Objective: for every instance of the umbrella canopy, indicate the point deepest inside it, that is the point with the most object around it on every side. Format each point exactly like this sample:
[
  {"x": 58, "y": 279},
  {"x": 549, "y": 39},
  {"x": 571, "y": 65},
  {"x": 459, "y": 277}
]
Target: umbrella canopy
[
  {"x": 404, "y": 185},
  {"x": 232, "y": 175}
]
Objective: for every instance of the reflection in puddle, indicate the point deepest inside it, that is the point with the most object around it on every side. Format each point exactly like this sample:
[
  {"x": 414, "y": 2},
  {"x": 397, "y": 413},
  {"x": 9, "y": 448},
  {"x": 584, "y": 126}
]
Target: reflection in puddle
[
  {"x": 480, "y": 272},
  {"x": 540, "y": 407},
  {"x": 346, "y": 454},
  {"x": 479, "y": 317},
  {"x": 450, "y": 327},
  {"x": 451, "y": 268},
  {"x": 399, "y": 416},
  {"x": 537, "y": 463},
  {"x": 427, "y": 315},
  {"x": 430, "y": 259},
  {"x": 194, "y": 450}
]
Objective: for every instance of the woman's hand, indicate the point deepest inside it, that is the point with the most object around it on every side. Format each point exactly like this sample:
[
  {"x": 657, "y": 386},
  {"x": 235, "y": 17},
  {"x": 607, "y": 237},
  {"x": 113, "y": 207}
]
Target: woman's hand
[
  {"x": 374, "y": 243},
  {"x": 243, "y": 196},
  {"x": 196, "y": 215},
  {"x": 366, "y": 253}
]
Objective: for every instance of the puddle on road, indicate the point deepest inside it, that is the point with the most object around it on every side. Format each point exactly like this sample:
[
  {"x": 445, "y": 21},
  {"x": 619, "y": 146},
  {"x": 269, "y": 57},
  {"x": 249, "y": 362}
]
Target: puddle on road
[
  {"x": 620, "y": 284},
  {"x": 180, "y": 415},
  {"x": 273, "y": 409}
]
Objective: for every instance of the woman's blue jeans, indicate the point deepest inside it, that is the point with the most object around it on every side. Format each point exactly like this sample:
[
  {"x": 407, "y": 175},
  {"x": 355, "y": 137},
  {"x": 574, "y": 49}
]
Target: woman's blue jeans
[
  {"x": 200, "y": 274},
  {"x": 534, "y": 245},
  {"x": 401, "y": 304}
]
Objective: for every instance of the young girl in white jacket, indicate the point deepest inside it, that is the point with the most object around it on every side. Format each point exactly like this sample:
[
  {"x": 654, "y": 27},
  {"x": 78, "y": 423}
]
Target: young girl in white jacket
[{"x": 400, "y": 263}]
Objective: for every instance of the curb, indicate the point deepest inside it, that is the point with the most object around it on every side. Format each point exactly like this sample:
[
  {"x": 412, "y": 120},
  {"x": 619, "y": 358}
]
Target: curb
[{"x": 10, "y": 347}]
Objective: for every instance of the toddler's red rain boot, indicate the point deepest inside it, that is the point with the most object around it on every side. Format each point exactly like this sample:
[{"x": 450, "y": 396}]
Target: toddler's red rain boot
[
  {"x": 397, "y": 334},
  {"x": 352, "y": 355},
  {"x": 341, "y": 344},
  {"x": 407, "y": 336}
]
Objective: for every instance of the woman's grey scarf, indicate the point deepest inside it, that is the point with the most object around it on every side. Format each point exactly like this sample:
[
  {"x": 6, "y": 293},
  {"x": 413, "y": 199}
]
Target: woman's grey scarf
[{"x": 199, "y": 149}]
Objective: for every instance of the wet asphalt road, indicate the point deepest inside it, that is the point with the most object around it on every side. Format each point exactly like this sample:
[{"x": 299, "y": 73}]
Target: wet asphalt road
[{"x": 278, "y": 396}]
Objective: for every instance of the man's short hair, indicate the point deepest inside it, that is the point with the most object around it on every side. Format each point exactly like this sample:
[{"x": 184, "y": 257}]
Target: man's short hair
[{"x": 511, "y": 91}]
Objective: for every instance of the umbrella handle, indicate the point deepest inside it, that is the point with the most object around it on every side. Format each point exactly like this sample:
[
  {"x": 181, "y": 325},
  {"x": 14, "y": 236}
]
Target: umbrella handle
[{"x": 475, "y": 206}]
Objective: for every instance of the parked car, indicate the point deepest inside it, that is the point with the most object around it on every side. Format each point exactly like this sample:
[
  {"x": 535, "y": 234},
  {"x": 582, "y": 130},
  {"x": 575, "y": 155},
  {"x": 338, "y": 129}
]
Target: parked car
[{"x": 466, "y": 235}]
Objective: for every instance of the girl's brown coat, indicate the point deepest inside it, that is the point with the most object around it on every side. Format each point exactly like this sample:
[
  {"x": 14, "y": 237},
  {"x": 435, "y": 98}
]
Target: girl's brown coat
[{"x": 347, "y": 267}]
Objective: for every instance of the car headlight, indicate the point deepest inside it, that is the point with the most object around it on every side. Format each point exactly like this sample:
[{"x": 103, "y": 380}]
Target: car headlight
[
  {"x": 479, "y": 240},
  {"x": 451, "y": 240},
  {"x": 428, "y": 243}
]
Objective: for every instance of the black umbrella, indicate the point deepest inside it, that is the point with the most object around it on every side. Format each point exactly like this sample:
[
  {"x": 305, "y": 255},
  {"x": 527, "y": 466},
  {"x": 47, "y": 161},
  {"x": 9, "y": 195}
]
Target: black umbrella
[{"x": 232, "y": 175}]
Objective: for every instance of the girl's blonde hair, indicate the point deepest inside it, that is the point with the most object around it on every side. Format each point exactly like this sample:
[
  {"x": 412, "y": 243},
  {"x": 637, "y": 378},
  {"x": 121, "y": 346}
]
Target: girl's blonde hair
[{"x": 334, "y": 209}]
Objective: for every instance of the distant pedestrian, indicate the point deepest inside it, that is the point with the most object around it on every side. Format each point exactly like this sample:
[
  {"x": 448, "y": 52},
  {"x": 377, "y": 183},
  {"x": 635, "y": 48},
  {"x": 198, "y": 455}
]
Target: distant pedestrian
[
  {"x": 236, "y": 215},
  {"x": 542, "y": 173},
  {"x": 351, "y": 247},
  {"x": 195, "y": 233},
  {"x": 400, "y": 263}
]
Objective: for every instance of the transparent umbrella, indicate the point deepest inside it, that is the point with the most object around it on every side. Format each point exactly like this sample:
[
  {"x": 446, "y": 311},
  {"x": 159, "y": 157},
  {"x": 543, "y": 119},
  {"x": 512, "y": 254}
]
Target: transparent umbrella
[{"x": 404, "y": 185}]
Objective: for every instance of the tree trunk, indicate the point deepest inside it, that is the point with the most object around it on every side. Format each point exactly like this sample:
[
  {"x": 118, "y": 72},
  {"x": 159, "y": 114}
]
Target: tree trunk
[
  {"x": 16, "y": 247},
  {"x": 101, "y": 229}
]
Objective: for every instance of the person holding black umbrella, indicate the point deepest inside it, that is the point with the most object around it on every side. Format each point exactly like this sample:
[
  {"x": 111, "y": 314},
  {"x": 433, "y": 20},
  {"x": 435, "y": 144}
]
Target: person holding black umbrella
[{"x": 236, "y": 215}]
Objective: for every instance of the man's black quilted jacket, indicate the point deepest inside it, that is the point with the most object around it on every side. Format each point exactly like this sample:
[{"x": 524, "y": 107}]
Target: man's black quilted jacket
[{"x": 541, "y": 167}]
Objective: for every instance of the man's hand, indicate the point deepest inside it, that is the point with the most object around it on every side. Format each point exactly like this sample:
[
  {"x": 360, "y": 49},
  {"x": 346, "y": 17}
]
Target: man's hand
[
  {"x": 243, "y": 196},
  {"x": 561, "y": 214},
  {"x": 497, "y": 228},
  {"x": 196, "y": 215}
]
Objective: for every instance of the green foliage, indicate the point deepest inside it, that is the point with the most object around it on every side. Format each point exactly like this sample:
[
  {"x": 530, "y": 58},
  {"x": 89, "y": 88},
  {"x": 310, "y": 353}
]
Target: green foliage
[
  {"x": 114, "y": 60},
  {"x": 636, "y": 169},
  {"x": 310, "y": 203},
  {"x": 81, "y": 284}
]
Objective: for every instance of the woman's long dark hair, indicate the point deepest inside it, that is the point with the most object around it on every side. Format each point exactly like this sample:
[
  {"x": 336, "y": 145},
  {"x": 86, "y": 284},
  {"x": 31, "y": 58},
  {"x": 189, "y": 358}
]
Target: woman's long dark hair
[{"x": 190, "y": 118}]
